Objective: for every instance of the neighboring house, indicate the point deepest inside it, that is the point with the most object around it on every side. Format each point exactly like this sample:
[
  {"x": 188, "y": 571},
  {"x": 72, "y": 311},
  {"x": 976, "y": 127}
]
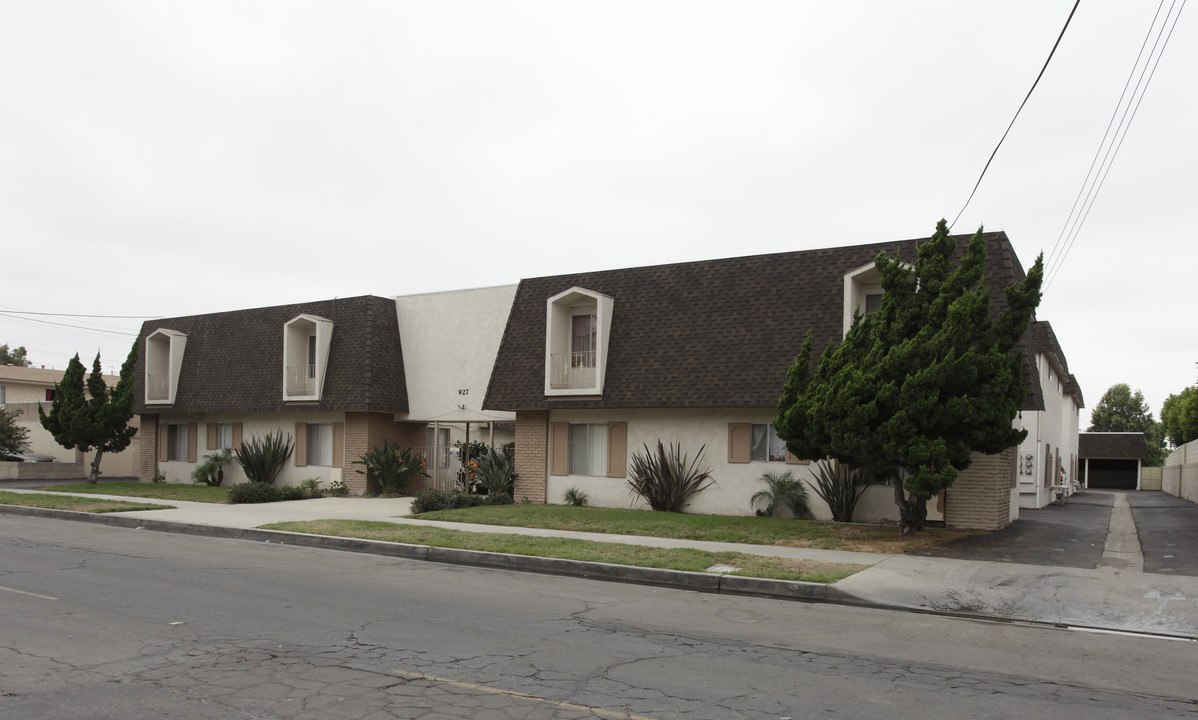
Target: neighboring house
[
  {"x": 1112, "y": 459},
  {"x": 1049, "y": 454},
  {"x": 22, "y": 390},
  {"x": 339, "y": 377},
  {"x": 599, "y": 365}
]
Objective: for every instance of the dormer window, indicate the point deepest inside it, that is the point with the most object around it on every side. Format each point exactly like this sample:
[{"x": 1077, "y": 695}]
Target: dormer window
[
  {"x": 862, "y": 293},
  {"x": 577, "y": 329},
  {"x": 164, "y": 359},
  {"x": 306, "y": 341}
]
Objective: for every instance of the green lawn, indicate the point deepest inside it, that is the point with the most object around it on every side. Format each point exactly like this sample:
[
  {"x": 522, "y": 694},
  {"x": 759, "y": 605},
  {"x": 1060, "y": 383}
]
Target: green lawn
[
  {"x": 673, "y": 559},
  {"x": 62, "y": 502},
  {"x": 719, "y": 528},
  {"x": 160, "y": 491}
]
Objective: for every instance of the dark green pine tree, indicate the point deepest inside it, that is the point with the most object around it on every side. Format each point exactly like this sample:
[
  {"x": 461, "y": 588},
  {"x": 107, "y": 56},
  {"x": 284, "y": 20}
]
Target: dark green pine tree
[
  {"x": 96, "y": 420},
  {"x": 919, "y": 385}
]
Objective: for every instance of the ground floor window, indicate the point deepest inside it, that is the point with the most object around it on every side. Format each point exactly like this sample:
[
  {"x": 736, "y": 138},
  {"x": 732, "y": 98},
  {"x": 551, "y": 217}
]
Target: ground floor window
[
  {"x": 588, "y": 449},
  {"x": 320, "y": 444},
  {"x": 176, "y": 443},
  {"x": 765, "y": 445},
  {"x": 224, "y": 436}
]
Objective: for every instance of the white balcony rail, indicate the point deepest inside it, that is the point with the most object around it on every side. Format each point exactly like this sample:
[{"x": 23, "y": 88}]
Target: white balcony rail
[
  {"x": 572, "y": 370},
  {"x": 158, "y": 387},
  {"x": 301, "y": 380}
]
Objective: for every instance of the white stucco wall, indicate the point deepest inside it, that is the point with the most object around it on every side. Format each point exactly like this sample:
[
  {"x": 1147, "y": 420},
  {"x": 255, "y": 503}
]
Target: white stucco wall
[
  {"x": 450, "y": 340},
  {"x": 736, "y": 482},
  {"x": 1055, "y": 428},
  {"x": 258, "y": 424}
]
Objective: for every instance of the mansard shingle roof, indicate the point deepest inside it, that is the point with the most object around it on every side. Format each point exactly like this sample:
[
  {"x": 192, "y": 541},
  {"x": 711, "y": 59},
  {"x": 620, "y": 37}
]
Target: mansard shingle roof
[
  {"x": 715, "y": 333},
  {"x": 233, "y": 361}
]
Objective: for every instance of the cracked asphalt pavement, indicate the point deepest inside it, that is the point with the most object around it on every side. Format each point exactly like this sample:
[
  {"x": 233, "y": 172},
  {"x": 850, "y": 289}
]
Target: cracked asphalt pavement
[{"x": 103, "y": 622}]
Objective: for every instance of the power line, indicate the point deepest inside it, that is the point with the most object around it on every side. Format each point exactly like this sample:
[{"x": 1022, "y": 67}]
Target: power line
[
  {"x": 78, "y": 315},
  {"x": 1012, "y": 124},
  {"x": 1124, "y": 126},
  {"x": 78, "y": 327}
]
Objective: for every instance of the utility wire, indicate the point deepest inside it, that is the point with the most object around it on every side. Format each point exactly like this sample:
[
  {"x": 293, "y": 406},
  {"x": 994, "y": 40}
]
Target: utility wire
[
  {"x": 1025, "y": 99},
  {"x": 79, "y": 327},
  {"x": 1113, "y": 151},
  {"x": 118, "y": 317}
]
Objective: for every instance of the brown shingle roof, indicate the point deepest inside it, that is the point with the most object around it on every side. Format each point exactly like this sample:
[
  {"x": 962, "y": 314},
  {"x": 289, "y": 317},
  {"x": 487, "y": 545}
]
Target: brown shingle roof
[
  {"x": 716, "y": 333},
  {"x": 1044, "y": 340},
  {"x": 1112, "y": 445},
  {"x": 234, "y": 360}
]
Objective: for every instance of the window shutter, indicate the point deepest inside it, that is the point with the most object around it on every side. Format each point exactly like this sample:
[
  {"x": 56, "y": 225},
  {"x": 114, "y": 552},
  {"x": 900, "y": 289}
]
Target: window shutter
[
  {"x": 193, "y": 439},
  {"x": 338, "y": 444},
  {"x": 163, "y": 433},
  {"x": 559, "y": 444},
  {"x": 301, "y": 445},
  {"x": 792, "y": 459},
  {"x": 739, "y": 442},
  {"x": 617, "y": 449},
  {"x": 236, "y": 436},
  {"x": 213, "y": 428}
]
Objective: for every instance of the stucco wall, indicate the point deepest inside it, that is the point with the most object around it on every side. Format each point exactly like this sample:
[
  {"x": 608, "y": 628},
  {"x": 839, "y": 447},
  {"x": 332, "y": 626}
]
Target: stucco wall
[
  {"x": 1179, "y": 476},
  {"x": 1054, "y": 429},
  {"x": 122, "y": 464}
]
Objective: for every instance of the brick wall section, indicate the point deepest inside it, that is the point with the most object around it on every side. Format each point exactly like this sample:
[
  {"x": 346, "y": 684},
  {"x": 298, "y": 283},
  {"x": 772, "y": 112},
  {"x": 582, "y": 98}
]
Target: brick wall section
[
  {"x": 147, "y": 460},
  {"x": 532, "y": 455},
  {"x": 367, "y": 430},
  {"x": 980, "y": 499}
]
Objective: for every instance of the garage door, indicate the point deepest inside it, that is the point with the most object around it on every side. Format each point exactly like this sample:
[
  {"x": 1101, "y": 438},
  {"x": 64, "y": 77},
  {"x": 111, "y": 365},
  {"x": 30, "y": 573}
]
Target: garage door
[{"x": 1113, "y": 474}]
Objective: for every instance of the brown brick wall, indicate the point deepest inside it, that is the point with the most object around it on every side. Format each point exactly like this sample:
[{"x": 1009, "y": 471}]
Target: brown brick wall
[
  {"x": 980, "y": 499},
  {"x": 147, "y": 460},
  {"x": 367, "y": 430},
  {"x": 532, "y": 455}
]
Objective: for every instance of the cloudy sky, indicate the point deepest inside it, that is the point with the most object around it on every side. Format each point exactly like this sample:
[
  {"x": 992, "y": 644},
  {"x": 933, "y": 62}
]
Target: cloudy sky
[{"x": 164, "y": 159}]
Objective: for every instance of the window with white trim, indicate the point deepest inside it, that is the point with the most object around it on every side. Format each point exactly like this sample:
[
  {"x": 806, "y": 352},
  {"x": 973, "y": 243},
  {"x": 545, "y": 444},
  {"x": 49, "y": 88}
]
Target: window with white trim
[
  {"x": 320, "y": 444},
  {"x": 588, "y": 449},
  {"x": 765, "y": 445}
]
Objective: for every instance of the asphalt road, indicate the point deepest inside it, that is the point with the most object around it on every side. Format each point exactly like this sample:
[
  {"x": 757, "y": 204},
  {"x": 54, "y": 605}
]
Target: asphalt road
[
  {"x": 1168, "y": 531},
  {"x": 100, "y": 622}
]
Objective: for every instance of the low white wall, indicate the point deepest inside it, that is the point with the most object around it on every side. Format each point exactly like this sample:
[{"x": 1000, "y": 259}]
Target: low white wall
[{"x": 1179, "y": 476}]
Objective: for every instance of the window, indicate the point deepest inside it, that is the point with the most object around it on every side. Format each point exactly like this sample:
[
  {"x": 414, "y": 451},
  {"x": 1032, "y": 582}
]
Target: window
[
  {"x": 320, "y": 444},
  {"x": 2, "y": 401},
  {"x": 765, "y": 445},
  {"x": 583, "y": 341},
  {"x": 176, "y": 443},
  {"x": 311, "y": 356},
  {"x": 873, "y": 302},
  {"x": 51, "y": 393},
  {"x": 588, "y": 449},
  {"x": 224, "y": 436}
]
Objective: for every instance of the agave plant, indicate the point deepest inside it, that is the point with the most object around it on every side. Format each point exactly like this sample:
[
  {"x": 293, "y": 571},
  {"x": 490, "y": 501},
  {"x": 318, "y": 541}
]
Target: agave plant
[
  {"x": 391, "y": 467},
  {"x": 841, "y": 487},
  {"x": 495, "y": 470},
  {"x": 783, "y": 490},
  {"x": 263, "y": 459},
  {"x": 665, "y": 479}
]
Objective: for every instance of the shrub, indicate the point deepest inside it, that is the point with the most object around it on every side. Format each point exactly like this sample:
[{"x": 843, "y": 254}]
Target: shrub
[
  {"x": 841, "y": 487},
  {"x": 495, "y": 471},
  {"x": 576, "y": 497},
  {"x": 263, "y": 459},
  {"x": 338, "y": 489},
  {"x": 666, "y": 480},
  {"x": 783, "y": 491},
  {"x": 253, "y": 492},
  {"x": 311, "y": 488},
  {"x": 158, "y": 477},
  {"x": 211, "y": 471},
  {"x": 432, "y": 500},
  {"x": 292, "y": 492},
  {"x": 391, "y": 467}
]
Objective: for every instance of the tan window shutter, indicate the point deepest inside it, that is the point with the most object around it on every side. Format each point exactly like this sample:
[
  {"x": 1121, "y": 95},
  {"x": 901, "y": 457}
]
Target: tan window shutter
[
  {"x": 739, "y": 442},
  {"x": 301, "y": 445},
  {"x": 617, "y": 449},
  {"x": 236, "y": 436},
  {"x": 193, "y": 439},
  {"x": 792, "y": 459},
  {"x": 163, "y": 434},
  {"x": 338, "y": 444},
  {"x": 213, "y": 429},
  {"x": 559, "y": 444}
]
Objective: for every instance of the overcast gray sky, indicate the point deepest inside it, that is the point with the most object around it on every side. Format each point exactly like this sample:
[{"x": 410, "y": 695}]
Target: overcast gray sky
[{"x": 178, "y": 158}]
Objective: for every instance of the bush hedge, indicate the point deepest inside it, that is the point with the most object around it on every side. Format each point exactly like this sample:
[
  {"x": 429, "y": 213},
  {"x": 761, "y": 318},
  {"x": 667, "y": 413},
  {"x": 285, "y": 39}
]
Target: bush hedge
[{"x": 432, "y": 500}]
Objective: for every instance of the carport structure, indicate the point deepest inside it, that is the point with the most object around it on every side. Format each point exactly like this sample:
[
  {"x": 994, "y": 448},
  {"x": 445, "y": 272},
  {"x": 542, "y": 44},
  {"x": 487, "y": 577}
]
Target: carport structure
[{"x": 1111, "y": 459}]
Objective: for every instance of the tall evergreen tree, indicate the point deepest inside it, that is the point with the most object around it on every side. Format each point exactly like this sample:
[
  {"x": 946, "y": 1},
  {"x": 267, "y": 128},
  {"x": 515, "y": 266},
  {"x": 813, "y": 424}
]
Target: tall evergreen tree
[
  {"x": 96, "y": 420},
  {"x": 14, "y": 438},
  {"x": 919, "y": 385}
]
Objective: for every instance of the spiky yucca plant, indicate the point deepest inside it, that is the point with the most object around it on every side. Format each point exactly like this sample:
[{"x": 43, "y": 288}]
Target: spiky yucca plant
[
  {"x": 263, "y": 459},
  {"x": 841, "y": 487},
  {"x": 783, "y": 490},
  {"x": 666, "y": 480}
]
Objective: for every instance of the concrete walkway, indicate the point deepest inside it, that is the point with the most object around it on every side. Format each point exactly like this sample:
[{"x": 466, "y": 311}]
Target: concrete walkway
[{"x": 1116, "y": 594}]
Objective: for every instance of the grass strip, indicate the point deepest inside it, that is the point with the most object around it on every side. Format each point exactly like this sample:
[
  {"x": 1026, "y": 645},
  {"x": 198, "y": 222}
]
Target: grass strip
[
  {"x": 571, "y": 549},
  {"x": 159, "y": 491},
  {"x": 718, "y": 528},
  {"x": 62, "y": 502}
]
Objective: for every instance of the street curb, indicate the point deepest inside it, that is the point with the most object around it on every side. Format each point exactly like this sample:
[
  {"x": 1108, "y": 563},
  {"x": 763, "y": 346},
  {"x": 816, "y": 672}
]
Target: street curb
[{"x": 678, "y": 579}]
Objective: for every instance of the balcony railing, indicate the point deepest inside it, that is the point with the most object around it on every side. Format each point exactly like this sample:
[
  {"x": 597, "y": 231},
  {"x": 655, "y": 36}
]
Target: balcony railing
[
  {"x": 301, "y": 381},
  {"x": 572, "y": 370},
  {"x": 158, "y": 387}
]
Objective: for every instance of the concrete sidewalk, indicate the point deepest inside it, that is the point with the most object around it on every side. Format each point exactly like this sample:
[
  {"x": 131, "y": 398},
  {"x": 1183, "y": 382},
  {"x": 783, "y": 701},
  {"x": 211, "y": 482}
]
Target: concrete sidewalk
[{"x": 1115, "y": 595}]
